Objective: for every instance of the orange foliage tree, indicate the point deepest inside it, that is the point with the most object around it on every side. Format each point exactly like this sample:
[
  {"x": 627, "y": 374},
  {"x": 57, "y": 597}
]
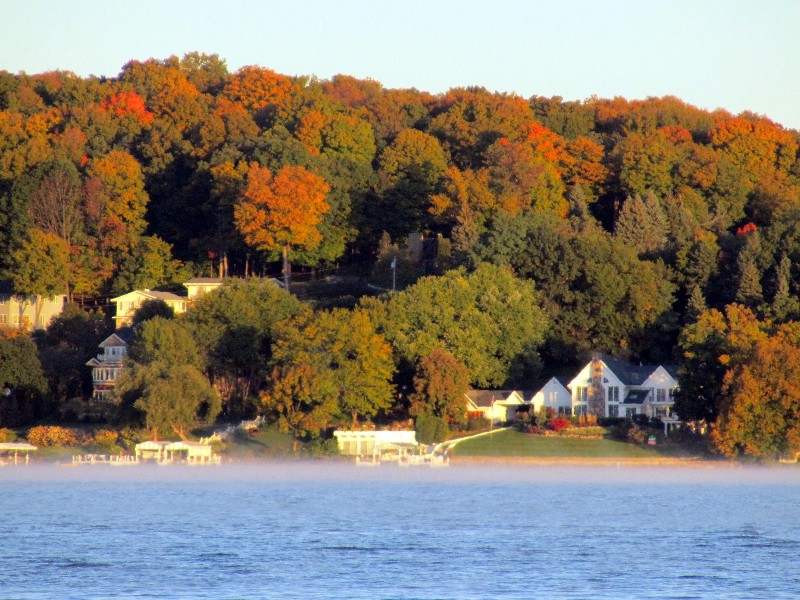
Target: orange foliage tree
[{"x": 282, "y": 211}]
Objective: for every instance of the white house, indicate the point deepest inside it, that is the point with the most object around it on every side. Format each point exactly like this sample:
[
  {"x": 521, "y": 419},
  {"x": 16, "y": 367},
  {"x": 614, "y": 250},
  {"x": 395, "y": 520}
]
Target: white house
[
  {"x": 107, "y": 366},
  {"x": 612, "y": 387},
  {"x": 127, "y": 304},
  {"x": 498, "y": 406},
  {"x": 29, "y": 312},
  {"x": 554, "y": 394},
  {"x": 201, "y": 285}
]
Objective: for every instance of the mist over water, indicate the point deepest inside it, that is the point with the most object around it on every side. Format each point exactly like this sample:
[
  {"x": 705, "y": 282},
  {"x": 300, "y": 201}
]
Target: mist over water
[{"x": 332, "y": 530}]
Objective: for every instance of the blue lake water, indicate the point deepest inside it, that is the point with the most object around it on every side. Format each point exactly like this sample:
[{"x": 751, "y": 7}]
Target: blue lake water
[{"x": 312, "y": 530}]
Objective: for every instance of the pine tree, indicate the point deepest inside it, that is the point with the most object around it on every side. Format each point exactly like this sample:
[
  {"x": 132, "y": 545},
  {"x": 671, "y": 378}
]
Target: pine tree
[
  {"x": 749, "y": 291},
  {"x": 784, "y": 305},
  {"x": 696, "y": 304},
  {"x": 642, "y": 225}
]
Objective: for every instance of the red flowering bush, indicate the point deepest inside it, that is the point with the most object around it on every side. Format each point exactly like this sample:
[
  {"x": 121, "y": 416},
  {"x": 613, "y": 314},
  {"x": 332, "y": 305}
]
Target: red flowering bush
[{"x": 559, "y": 423}]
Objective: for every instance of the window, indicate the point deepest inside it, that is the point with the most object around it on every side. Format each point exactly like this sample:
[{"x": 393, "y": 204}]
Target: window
[
  {"x": 3, "y": 319},
  {"x": 613, "y": 393},
  {"x": 15, "y": 319},
  {"x": 552, "y": 398},
  {"x": 672, "y": 391},
  {"x": 581, "y": 394},
  {"x": 613, "y": 410},
  {"x": 661, "y": 395},
  {"x": 565, "y": 410},
  {"x": 579, "y": 410}
]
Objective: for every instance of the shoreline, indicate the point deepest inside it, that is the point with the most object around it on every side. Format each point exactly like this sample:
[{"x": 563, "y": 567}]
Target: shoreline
[{"x": 590, "y": 461}]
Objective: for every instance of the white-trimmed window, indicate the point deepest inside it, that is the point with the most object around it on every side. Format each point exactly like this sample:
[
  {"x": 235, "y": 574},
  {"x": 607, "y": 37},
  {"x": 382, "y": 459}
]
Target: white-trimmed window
[
  {"x": 3, "y": 319},
  {"x": 613, "y": 393}
]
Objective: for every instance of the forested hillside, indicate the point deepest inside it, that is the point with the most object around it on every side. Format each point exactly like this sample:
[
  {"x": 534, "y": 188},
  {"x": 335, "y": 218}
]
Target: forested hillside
[{"x": 644, "y": 228}]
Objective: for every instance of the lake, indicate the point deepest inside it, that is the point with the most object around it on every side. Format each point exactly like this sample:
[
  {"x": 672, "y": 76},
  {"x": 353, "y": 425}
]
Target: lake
[{"x": 318, "y": 530}]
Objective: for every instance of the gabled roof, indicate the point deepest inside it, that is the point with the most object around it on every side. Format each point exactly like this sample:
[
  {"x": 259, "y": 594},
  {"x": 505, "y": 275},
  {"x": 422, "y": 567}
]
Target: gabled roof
[
  {"x": 630, "y": 374},
  {"x": 165, "y": 296},
  {"x": 121, "y": 337},
  {"x": 204, "y": 281},
  {"x": 484, "y": 398},
  {"x": 153, "y": 294}
]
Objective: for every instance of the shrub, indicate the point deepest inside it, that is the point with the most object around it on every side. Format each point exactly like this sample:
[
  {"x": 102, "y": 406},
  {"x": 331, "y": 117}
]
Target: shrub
[
  {"x": 477, "y": 424},
  {"x": 431, "y": 429},
  {"x": 611, "y": 421},
  {"x": 319, "y": 445},
  {"x": 52, "y": 435},
  {"x": 7, "y": 435},
  {"x": 106, "y": 440},
  {"x": 559, "y": 423},
  {"x": 636, "y": 435}
]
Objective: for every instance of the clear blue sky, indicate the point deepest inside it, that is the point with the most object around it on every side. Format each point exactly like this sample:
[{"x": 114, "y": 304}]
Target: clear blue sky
[{"x": 733, "y": 54}]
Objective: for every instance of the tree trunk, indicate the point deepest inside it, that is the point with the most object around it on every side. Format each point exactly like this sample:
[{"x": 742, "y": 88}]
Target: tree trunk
[{"x": 286, "y": 266}]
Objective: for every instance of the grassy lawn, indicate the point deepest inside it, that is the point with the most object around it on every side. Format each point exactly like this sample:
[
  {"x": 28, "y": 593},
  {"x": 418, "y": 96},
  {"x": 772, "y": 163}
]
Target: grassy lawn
[
  {"x": 264, "y": 443},
  {"x": 514, "y": 443}
]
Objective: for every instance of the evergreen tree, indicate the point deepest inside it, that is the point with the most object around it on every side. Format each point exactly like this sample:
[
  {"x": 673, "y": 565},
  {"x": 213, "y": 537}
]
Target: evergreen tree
[
  {"x": 784, "y": 305},
  {"x": 642, "y": 225},
  {"x": 749, "y": 291}
]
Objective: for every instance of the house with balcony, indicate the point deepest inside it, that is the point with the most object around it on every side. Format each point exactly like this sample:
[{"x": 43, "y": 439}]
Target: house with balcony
[{"x": 108, "y": 364}]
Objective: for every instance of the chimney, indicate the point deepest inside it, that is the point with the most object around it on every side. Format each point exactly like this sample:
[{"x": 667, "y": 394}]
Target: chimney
[{"x": 597, "y": 393}]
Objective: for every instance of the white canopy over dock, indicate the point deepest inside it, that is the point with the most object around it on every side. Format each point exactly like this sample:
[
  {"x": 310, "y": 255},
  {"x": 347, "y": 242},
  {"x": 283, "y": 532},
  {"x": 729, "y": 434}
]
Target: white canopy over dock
[{"x": 16, "y": 448}]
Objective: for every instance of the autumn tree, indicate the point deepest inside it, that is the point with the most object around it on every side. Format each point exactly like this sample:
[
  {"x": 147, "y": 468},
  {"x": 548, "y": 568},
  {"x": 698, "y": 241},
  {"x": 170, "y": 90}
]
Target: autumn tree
[
  {"x": 710, "y": 346},
  {"x": 759, "y": 411},
  {"x": 117, "y": 200},
  {"x": 440, "y": 383},
  {"x": 281, "y": 211}
]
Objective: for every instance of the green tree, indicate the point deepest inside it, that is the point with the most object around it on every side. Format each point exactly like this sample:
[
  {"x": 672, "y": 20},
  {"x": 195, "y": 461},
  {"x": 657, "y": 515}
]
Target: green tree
[
  {"x": 642, "y": 225},
  {"x": 69, "y": 342},
  {"x": 23, "y": 387},
  {"x": 151, "y": 308},
  {"x": 784, "y": 304},
  {"x": 164, "y": 380},
  {"x": 300, "y": 400},
  {"x": 234, "y": 327},
  {"x": 149, "y": 264},
  {"x": 42, "y": 267},
  {"x": 489, "y": 320},
  {"x": 349, "y": 361}
]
